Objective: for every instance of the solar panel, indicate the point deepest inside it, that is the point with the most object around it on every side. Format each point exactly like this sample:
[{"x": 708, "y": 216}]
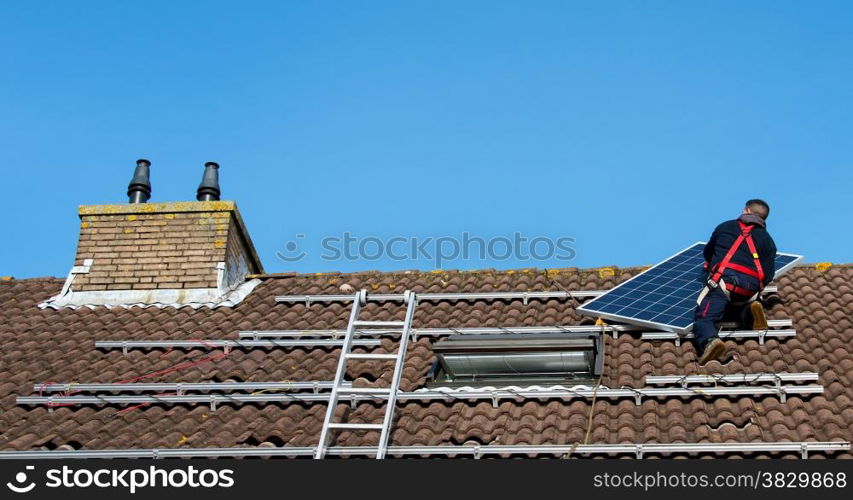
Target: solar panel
[{"x": 664, "y": 296}]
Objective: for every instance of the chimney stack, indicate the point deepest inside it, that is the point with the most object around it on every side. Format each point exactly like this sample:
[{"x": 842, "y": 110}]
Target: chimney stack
[
  {"x": 165, "y": 253},
  {"x": 139, "y": 189},
  {"x": 208, "y": 190}
]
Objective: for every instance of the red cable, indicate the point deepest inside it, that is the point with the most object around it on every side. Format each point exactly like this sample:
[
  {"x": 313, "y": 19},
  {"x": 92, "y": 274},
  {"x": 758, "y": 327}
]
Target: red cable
[{"x": 190, "y": 364}]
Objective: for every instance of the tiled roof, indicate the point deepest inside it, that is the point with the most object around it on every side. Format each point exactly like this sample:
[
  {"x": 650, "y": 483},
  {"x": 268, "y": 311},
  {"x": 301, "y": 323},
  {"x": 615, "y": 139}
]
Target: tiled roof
[{"x": 58, "y": 346}]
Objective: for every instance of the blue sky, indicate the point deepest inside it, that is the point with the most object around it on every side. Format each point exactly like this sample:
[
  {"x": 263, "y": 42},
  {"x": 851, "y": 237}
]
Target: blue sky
[{"x": 632, "y": 127}]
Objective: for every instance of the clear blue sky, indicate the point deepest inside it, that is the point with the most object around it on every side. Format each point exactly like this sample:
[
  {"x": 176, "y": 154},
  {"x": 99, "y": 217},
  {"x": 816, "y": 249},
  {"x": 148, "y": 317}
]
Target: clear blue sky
[{"x": 633, "y": 127}]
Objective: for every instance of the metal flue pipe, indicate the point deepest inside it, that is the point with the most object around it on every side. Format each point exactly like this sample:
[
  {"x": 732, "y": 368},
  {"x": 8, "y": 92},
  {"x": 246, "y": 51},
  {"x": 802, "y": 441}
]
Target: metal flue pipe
[
  {"x": 209, "y": 190},
  {"x": 139, "y": 189}
]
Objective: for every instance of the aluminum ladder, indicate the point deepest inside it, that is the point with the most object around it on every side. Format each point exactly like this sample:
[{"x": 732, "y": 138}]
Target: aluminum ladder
[{"x": 341, "y": 387}]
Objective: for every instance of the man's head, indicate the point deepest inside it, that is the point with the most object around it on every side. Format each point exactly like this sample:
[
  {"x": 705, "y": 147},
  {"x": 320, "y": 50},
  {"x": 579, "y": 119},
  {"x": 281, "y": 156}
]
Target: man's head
[{"x": 757, "y": 207}]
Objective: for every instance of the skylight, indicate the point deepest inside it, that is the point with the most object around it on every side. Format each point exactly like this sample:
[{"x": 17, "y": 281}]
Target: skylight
[{"x": 528, "y": 358}]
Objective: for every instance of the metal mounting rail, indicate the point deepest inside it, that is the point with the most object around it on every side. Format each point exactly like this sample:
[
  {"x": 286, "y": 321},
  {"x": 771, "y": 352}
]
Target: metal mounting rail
[
  {"x": 125, "y": 345},
  {"x": 434, "y": 332},
  {"x": 626, "y": 392},
  {"x": 436, "y": 297},
  {"x": 476, "y": 451},
  {"x": 739, "y": 378},
  {"x": 489, "y": 394},
  {"x": 440, "y": 332},
  {"x": 761, "y": 335},
  {"x": 213, "y": 400},
  {"x": 771, "y": 323},
  {"x": 182, "y": 387}
]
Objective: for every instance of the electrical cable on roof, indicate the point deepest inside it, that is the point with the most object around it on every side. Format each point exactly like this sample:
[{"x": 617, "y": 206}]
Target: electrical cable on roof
[
  {"x": 286, "y": 389},
  {"x": 600, "y": 377},
  {"x": 591, "y": 407},
  {"x": 181, "y": 366},
  {"x": 562, "y": 289},
  {"x": 140, "y": 405}
]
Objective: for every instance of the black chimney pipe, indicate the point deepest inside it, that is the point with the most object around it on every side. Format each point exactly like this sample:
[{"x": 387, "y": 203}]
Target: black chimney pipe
[
  {"x": 139, "y": 189},
  {"x": 209, "y": 190}
]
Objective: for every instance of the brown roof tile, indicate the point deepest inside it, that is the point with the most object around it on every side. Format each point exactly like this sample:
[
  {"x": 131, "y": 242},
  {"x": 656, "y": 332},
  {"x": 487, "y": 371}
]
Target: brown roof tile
[{"x": 58, "y": 346}]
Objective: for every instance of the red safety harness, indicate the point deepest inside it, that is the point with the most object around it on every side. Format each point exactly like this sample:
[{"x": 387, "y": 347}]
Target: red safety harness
[{"x": 758, "y": 272}]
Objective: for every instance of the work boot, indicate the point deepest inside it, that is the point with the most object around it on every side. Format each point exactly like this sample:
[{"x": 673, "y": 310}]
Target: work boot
[
  {"x": 759, "y": 319},
  {"x": 713, "y": 349}
]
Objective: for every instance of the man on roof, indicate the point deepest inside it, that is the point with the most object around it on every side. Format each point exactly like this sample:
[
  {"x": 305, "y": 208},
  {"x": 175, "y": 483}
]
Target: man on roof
[{"x": 740, "y": 261}]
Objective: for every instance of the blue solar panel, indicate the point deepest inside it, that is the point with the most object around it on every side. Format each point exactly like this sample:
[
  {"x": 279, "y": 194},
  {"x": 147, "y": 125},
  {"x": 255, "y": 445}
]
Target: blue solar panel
[{"x": 664, "y": 296}]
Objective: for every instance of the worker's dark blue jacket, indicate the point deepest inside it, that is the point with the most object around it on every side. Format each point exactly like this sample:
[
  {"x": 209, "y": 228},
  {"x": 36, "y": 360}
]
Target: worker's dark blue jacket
[{"x": 724, "y": 237}]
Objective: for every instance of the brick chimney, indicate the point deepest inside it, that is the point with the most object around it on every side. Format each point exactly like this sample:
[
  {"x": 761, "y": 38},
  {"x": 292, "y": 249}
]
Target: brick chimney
[
  {"x": 175, "y": 253},
  {"x": 163, "y": 245}
]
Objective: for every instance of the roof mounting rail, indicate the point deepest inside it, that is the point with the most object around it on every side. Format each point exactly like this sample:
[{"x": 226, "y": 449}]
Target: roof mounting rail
[
  {"x": 470, "y": 394},
  {"x": 637, "y": 449},
  {"x": 440, "y": 332},
  {"x": 228, "y": 344},
  {"x": 580, "y": 330},
  {"x": 436, "y": 297},
  {"x": 771, "y": 323},
  {"x": 183, "y": 387},
  {"x": 738, "y": 378},
  {"x": 761, "y": 335}
]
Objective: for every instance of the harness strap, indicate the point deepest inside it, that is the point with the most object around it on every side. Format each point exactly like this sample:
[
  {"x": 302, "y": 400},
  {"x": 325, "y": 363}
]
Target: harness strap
[
  {"x": 736, "y": 294},
  {"x": 744, "y": 270},
  {"x": 745, "y": 235},
  {"x": 739, "y": 290},
  {"x": 751, "y": 244},
  {"x": 718, "y": 272},
  {"x": 716, "y": 280}
]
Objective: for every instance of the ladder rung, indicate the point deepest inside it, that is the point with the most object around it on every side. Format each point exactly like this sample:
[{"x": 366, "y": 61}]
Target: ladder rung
[
  {"x": 383, "y": 391},
  {"x": 371, "y": 356},
  {"x": 372, "y": 427},
  {"x": 378, "y": 323}
]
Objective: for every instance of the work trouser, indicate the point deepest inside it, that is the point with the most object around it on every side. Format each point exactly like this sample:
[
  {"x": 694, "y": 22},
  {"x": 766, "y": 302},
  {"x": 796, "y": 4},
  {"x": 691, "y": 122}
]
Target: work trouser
[{"x": 716, "y": 308}]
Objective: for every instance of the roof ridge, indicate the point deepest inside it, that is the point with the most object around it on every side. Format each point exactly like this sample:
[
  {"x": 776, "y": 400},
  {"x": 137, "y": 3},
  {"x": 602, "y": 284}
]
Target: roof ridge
[
  {"x": 419, "y": 272},
  {"x": 523, "y": 270},
  {"x": 37, "y": 279}
]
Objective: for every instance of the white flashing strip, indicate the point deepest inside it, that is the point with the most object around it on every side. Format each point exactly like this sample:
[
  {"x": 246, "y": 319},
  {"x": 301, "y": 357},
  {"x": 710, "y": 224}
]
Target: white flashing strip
[
  {"x": 195, "y": 298},
  {"x": 740, "y": 378},
  {"x": 75, "y": 270},
  {"x": 126, "y": 345},
  {"x": 475, "y": 451},
  {"x": 436, "y": 297},
  {"x": 447, "y": 394}
]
